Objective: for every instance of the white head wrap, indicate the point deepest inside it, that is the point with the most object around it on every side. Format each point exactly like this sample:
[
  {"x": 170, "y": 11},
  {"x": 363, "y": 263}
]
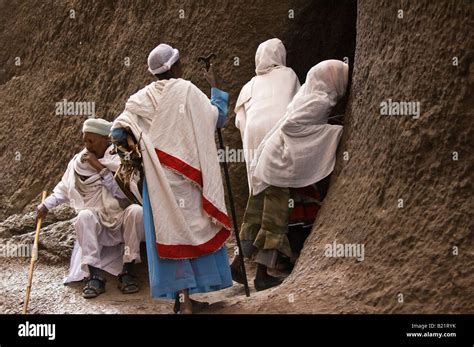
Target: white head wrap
[
  {"x": 325, "y": 84},
  {"x": 97, "y": 126},
  {"x": 270, "y": 54},
  {"x": 161, "y": 58}
]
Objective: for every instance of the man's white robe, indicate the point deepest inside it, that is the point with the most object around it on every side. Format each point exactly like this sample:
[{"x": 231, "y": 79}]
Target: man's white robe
[{"x": 102, "y": 226}]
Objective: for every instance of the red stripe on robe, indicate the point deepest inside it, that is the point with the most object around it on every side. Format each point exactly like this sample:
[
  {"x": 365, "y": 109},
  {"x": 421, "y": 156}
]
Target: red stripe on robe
[{"x": 193, "y": 251}]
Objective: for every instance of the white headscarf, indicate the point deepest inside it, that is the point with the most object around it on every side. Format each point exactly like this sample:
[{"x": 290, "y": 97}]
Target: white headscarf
[
  {"x": 301, "y": 149},
  {"x": 270, "y": 54},
  {"x": 162, "y": 58}
]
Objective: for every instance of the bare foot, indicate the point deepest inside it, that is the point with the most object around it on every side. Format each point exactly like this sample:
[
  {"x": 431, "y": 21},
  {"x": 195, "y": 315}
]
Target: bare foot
[
  {"x": 183, "y": 304},
  {"x": 196, "y": 305},
  {"x": 186, "y": 307}
]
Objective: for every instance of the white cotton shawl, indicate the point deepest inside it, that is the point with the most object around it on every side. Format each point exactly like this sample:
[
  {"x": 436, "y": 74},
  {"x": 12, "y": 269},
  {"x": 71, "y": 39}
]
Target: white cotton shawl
[
  {"x": 263, "y": 100},
  {"x": 91, "y": 193},
  {"x": 301, "y": 149},
  {"x": 176, "y": 118}
]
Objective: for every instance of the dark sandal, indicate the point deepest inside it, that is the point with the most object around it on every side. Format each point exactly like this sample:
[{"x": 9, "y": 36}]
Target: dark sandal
[
  {"x": 267, "y": 282},
  {"x": 127, "y": 283},
  {"x": 94, "y": 287}
]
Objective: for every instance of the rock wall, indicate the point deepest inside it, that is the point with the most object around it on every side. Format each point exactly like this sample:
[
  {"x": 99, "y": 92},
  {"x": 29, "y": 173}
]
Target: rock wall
[{"x": 401, "y": 193}]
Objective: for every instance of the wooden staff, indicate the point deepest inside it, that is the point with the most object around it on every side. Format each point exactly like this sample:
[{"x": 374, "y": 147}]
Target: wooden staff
[{"x": 34, "y": 258}]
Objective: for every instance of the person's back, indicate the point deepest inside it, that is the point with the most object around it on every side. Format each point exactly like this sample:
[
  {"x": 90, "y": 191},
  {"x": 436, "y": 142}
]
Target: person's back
[
  {"x": 262, "y": 115},
  {"x": 185, "y": 218},
  {"x": 283, "y": 158},
  {"x": 263, "y": 100}
]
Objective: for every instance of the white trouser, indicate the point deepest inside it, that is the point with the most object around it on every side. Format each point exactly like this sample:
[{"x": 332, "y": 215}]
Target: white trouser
[{"x": 92, "y": 236}]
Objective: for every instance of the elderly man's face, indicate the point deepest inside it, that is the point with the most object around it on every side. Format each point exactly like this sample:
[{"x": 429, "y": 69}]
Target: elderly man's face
[{"x": 95, "y": 143}]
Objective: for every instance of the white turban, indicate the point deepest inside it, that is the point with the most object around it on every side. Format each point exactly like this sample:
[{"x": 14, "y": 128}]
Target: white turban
[
  {"x": 97, "y": 126},
  {"x": 162, "y": 58}
]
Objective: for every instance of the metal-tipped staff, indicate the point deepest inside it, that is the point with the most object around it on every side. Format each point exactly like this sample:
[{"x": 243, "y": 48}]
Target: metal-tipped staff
[
  {"x": 232, "y": 209},
  {"x": 34, "y": 258},
  {"x": 207, "y": 61}
]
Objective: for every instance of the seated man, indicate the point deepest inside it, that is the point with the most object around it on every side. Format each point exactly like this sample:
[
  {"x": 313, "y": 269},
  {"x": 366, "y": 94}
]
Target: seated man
[{"x": 108, "y": 228}]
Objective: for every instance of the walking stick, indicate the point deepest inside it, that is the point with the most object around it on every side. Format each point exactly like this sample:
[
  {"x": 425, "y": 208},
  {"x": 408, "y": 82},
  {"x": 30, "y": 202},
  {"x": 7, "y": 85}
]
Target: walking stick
[
  {"x": 232, "y": 210},
  {"x": 207, "y": 62},
  {"x": 34, "y": 258}
]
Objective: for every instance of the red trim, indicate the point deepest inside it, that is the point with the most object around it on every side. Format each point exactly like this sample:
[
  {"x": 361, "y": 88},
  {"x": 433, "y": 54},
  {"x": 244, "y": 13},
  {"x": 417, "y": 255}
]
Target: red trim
[
  {"x": 179, "y": 165},
  {"x": 188, "y": 251},
  {"x": 196, "y": 176},
  {"x": 216, "y": 213}
]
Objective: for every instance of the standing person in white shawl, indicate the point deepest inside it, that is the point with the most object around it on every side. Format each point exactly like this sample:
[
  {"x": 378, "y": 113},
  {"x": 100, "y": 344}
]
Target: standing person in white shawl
[
  {"x": 261, "y": 104},
  {"x": 299, "y": 151},
  {"x": 263, "y": 100},
  {"x": 186, "y": 224},
  {"x": 108, "y": 228}
]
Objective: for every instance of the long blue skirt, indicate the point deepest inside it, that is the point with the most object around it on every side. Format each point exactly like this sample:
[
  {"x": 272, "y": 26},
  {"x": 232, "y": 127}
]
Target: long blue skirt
[{"x": 167, "y": 276}]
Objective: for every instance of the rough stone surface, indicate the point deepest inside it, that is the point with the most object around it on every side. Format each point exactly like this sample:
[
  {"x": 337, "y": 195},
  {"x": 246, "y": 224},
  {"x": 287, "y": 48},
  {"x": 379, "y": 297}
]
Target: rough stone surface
[{"x": 409, "y": 250}]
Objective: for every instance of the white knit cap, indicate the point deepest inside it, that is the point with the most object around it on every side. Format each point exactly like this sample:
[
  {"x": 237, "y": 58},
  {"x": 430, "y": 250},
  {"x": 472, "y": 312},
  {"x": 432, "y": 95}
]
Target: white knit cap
[
  {"x": 162, "y": 58},
  {"x": 97, "y": 126}
]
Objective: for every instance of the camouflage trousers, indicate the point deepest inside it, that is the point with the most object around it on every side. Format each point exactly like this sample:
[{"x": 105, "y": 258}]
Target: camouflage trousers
[{"x": 264, "y": 229}]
